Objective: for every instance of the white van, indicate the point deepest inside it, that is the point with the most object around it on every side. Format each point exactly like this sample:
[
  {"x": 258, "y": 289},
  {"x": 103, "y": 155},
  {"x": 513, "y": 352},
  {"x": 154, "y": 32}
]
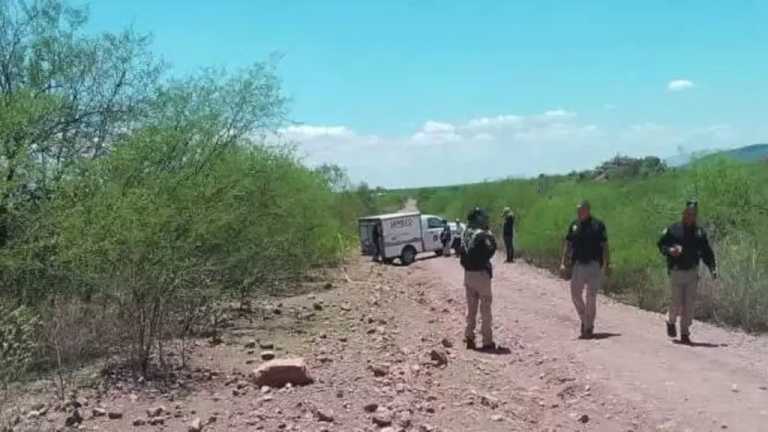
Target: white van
[{"x": 403, "y": 235}]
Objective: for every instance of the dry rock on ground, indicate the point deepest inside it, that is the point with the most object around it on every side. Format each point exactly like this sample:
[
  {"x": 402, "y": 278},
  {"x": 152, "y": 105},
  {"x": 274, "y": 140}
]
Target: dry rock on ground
[{"x": 278, "y": 373}]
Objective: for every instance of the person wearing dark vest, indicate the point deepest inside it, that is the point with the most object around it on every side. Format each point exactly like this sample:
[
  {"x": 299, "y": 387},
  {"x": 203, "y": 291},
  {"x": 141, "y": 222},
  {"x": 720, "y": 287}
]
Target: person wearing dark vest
[
  {"x": 586, "y": 248},
  {"x": 685, "y": 245},
  {"x": 376, "y": 238},
  {"x": 509, "y": 234},
  {"x": 477, "y": 248}
]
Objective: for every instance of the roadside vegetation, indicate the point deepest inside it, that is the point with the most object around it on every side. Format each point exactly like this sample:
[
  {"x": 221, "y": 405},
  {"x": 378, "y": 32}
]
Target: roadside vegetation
[
  {"x": 637, "y": 199},
  {"x": 132, "y": 204}
]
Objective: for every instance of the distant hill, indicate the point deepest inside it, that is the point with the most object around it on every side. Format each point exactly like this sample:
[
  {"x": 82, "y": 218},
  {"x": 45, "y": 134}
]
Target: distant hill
[{"x": 750, "y": 153}]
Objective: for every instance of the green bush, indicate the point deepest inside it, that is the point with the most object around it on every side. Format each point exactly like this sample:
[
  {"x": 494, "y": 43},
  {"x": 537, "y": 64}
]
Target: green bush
[
  {"x": 733, "y": 202},
  {"x": 139, "y": 202},
  {"x": 18, "y": 336}
]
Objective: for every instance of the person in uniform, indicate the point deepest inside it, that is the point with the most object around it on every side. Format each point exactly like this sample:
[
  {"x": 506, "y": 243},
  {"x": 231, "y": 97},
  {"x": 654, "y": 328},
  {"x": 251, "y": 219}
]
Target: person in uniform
[
  {"x": 376, "y": 239},
  {"x": 685, "y": 245},
  {"x": 477, "y": 249},
  {"x": 456, "y": 242},
  {"x": 445, "y": 238},
  {"x": 586, "y": 244},
  {"x": 509, "y": 234}
]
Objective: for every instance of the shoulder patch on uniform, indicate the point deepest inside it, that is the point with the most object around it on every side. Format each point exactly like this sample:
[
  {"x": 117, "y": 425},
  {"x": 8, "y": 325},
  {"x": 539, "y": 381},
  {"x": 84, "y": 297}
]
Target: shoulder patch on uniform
[
  {"x": 664, "y": 231},
  {"x": 574, "y": 228}
]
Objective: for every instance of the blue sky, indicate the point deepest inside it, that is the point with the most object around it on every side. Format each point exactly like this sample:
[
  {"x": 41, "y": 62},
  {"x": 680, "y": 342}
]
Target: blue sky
[{"x": 418, "y": 92}]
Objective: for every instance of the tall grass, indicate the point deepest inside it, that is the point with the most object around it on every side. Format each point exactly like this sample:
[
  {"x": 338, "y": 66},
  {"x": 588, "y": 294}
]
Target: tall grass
[{"x": 733, "y": 203}]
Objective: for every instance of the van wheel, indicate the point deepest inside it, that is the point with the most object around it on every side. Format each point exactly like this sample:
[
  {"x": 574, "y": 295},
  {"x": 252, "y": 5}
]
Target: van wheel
[{"x": 408, "y": 256}]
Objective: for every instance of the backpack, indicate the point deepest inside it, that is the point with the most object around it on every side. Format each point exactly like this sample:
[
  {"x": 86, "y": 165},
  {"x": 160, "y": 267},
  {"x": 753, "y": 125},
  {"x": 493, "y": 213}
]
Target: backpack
[{"x": 478, "y": 247}]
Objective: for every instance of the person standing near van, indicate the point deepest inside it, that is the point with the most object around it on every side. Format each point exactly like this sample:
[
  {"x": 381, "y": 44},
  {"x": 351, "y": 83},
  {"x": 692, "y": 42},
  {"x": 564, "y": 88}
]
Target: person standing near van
[
  {"x": 685, "y": 245},
  {"x": 456, "y": 242},
  {"x": 477, "y": 248},
  {"x": 445, "y": 238},
  {"x": 586, "y": 243},
  {"x": 376, "y": 238},
  {"x": 509, "y": 233}
]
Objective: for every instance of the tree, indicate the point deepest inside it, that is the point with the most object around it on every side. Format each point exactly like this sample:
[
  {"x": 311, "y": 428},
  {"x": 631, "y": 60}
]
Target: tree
[
  {"x": 64, "y": 96},
  {"x": 335, "y": 176}
]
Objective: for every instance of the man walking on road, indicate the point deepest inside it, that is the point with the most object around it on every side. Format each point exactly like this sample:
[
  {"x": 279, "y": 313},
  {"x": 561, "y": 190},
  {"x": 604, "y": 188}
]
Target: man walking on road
[
  {"x": 477, "y": 249},
  {"x": 586, "y": 244},
  {"x": 509, "y": 234},
  {"x": 685, "y": 244}
]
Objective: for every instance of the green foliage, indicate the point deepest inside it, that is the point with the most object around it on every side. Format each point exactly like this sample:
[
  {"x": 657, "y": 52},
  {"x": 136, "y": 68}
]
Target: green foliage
[
  {"x": 140, "y": 203},
  {"x": 733, "y": 202},
  {"x": 18, "y": 328}
]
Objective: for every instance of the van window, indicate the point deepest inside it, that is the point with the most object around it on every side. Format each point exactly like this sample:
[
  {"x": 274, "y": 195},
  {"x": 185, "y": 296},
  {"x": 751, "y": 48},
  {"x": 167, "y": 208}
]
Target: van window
[{"x": 434, "y": 223}]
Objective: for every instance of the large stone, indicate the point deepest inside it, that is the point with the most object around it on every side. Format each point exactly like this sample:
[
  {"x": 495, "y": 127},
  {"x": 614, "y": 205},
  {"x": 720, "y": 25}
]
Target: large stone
[
  {"x": 196, "y": 425},
  {"x": 156, "y": 411},
  {"x": 439, "y": 357},
  {"x": 74, "y": 419},
  {"x": 383, "y": 417},
  {"x": 277, "y": 373},
  {"x": 325, "y": 415},
  {"x": 380, "y": 370}
]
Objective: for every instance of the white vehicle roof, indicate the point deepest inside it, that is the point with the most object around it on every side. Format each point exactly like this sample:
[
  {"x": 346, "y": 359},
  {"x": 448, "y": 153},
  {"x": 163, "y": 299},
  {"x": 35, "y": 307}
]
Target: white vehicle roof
[{"x": 389, "y": 216}]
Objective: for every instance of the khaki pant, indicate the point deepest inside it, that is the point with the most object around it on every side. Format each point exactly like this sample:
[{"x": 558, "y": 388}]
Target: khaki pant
[
  {"x": 589, "y": 276},
  {"x": 478, "y": 287},
  {"x": 684, "y": 284}
]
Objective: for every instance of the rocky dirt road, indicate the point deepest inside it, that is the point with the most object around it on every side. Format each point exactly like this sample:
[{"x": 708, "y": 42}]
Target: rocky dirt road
[
  {"x": 638, "y": 379},
  {"x": 383, "y": 344}
]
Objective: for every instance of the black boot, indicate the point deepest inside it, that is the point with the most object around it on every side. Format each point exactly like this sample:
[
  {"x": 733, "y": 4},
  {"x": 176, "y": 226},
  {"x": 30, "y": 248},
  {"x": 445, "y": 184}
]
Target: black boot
[
  {"x": 491, "y": 347},
  {"x": 470, "y": 344},
  {"x": 671, "y": 330},
  {"x": 685, "y": 339}
]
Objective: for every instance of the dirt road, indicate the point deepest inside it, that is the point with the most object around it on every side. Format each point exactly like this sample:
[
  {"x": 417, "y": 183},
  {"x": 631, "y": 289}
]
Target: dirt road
[
  {"x": 384, "y": 346},
  {"x": 636, "y": 376}
]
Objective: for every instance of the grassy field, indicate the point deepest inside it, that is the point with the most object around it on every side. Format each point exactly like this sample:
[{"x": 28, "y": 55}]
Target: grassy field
[{"x": 733, "y": 207}]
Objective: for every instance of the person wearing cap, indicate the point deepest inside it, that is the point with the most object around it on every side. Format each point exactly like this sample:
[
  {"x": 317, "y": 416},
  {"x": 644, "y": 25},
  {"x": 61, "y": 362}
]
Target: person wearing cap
[
  {"x": 509, "y": 233},
  {"x": 477, "y": 248},
  {"x": 586, "y": 245},
  {"x": 685, "y": 245}
]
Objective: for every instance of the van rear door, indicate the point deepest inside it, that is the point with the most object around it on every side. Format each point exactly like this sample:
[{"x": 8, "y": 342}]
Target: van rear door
[
  {"x": 366, "y": 236},
  {"x": 433, "y": 227}
]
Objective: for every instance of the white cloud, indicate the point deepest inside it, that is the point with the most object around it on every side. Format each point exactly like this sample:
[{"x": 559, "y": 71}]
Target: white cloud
[
  {"x": 492, "y": 122},
  {"x": 303, "y": 132},
  {"x": 500, "y": 146},
  {"x": 438, "y": 127},
  {"x": 560, "y": 114},
  {"x": 680, "y": 85},
  {"x": 434, "y": 132},
  {"x": 484, "y": 136}
]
